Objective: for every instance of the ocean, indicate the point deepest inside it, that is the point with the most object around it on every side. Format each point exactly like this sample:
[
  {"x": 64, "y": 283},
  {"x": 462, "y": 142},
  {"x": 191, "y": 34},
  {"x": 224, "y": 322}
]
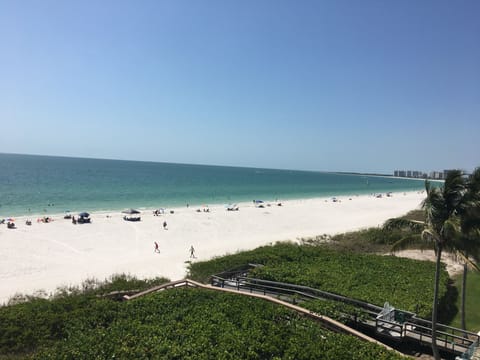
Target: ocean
[{"x": 31, "y": 184}]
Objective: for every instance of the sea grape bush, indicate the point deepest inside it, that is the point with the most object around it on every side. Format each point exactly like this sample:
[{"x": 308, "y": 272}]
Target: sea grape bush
[
  {"x": 203, "y": 324},
  {"x": 36, "y": 322},
  {"x": 404, "y": 283}
]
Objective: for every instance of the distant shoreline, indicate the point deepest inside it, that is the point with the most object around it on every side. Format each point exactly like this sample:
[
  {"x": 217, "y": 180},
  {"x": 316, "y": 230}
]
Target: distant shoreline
[
  {"x": 390, "y": 176},
  {"x": 176, "y": 208},
  {"x": 198, "y": 205}
]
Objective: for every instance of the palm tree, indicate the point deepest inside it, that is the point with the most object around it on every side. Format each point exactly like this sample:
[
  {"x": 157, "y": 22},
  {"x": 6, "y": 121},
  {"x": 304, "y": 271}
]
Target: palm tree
[
  {"x": 442, "y": 206},
  {"x": 469, "y": 237},
  {"x": 468, "y": 264},
  {"x": 467, "y": 250}
]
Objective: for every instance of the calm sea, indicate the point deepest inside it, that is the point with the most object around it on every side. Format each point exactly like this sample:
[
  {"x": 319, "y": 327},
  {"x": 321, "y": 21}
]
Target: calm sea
[{"x": 44, "y": 184}]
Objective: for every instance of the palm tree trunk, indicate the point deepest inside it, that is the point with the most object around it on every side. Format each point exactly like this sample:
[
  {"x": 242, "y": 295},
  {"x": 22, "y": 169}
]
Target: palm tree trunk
[
  {"x": 464, "y": 290},
  {"x": 435, "y": 352}
]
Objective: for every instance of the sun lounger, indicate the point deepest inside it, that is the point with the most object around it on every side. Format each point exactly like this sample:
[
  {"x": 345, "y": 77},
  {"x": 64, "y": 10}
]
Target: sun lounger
[{"x": 131, "y": 218}]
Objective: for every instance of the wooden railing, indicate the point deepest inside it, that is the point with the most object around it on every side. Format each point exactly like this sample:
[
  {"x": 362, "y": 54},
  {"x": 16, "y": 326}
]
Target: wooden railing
[
  {"x": 170, "y": 285},
  {"x": 448, "y": 338},
  {"x": 279, "y": 288}
]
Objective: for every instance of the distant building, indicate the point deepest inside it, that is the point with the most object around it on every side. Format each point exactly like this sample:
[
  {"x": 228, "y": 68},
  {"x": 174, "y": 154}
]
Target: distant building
[{"x": 436, "y": 175}]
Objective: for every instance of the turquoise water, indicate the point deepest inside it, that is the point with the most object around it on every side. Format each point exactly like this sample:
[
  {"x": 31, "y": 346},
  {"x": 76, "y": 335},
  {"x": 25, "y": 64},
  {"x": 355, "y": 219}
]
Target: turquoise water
[{"x": 44, "y": 184}]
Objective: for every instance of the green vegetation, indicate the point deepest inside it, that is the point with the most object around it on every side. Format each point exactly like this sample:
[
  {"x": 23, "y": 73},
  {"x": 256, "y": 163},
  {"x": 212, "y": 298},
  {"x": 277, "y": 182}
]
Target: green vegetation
[
  {"x": 30, "y": 322},
  {"x": 203, "y": 324},
  {"x": 367, "y": 241},
  {"x": 472, "y": 303},
  {"x": 174, "y": 324},
  {"x": 371, "y": 240},
  {"x": 405, "y": 283},
  {"x": 375, "y": 279}
]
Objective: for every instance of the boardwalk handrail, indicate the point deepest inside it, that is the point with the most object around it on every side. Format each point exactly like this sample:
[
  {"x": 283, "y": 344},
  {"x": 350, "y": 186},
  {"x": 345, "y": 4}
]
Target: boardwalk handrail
[
  {"x": 169, "y": 285},
  {"x": 457, "y": 340},
  {"x": 275, "y": 290},
  {"x": 238, "y": 270},
  {"x": 299, "y": 289}
]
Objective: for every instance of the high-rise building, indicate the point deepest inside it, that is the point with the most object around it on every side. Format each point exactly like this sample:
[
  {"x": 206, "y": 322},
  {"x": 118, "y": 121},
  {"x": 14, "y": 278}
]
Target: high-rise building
[{"x": 437, "y": 175}]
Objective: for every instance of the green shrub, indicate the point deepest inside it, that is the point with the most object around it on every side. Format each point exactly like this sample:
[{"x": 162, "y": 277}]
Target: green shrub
[
  {"x": 38, "y": 322},
  {"x": 203, "y": 324},
  {"x": 406, "y": 284}
]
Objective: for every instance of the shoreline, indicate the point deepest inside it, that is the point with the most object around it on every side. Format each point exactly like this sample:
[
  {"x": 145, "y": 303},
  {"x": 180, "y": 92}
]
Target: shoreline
[
  {"x": 48, "y": 255},
  {"x": 337, "y": 195}
]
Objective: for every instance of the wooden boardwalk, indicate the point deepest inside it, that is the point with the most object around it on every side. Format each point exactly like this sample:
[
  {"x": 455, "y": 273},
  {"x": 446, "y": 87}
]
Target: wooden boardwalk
[
  {"x": 396, "y": 325},
  {"x": 326, "y": 322},
  {"x": 384, "y": 323}
]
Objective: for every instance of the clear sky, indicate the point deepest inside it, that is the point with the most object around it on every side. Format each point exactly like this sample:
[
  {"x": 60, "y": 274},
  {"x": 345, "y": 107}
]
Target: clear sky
[{"x": 366, "y": 86}]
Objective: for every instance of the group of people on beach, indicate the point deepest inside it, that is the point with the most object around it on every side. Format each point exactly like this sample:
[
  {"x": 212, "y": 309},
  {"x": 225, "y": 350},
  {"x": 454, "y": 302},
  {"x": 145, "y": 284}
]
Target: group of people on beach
[
  {"x": 157, "y": 248},
  {"x": 192, "y": 250}
]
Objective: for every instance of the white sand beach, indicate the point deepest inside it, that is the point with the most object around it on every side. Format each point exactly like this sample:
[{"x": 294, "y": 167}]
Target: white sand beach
[{"x": 48, "y": 255}]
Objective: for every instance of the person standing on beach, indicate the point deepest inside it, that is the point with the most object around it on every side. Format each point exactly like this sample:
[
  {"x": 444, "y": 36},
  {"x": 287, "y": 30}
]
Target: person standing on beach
[
  {"x": 157, "y": 250},
  {"x": 164, "y": 225},
  {"x": 192, "y": 252}
]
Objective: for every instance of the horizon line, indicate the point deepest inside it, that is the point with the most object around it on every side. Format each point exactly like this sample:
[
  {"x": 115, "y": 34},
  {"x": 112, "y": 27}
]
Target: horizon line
[{"x": 196, "y": 164}]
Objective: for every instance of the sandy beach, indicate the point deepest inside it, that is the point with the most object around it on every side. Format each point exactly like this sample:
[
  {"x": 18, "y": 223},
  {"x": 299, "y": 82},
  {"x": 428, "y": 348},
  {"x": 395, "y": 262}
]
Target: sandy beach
[{"x": 44, "y": 256}]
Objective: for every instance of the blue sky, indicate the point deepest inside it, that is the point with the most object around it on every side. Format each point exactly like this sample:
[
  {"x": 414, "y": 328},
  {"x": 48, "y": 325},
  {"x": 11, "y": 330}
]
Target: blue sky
[{"x": 366, "y": 86}]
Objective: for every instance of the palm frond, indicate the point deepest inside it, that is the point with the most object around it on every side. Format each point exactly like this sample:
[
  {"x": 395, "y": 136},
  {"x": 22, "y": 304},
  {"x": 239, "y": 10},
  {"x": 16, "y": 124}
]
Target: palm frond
[
  {"x": 435, "y": 210},
  {"x": 452, "y": 230},
  {"x": 471, "y": 264},
  {"x": 399, "y": 223},
  {"x": 408, "y": 242},
  {"x": 454, "y": 190},
  {"x": 474, "y": 181},
  {"x": 469, "y": 243},
  {"x": 428, "y": 235}
]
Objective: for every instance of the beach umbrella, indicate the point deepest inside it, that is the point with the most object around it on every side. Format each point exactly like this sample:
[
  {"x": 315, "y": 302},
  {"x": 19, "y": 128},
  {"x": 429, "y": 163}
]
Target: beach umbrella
[
  {"x": 131, "y": 211},
  {"x": 84, "y": 214}
]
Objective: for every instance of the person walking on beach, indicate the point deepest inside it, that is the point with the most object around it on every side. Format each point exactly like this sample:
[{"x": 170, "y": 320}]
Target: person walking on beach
[
  {"x": 157, "y": 250},
  {"x": 192, "y": 252},
  {"x": 164, "y": 225}
]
